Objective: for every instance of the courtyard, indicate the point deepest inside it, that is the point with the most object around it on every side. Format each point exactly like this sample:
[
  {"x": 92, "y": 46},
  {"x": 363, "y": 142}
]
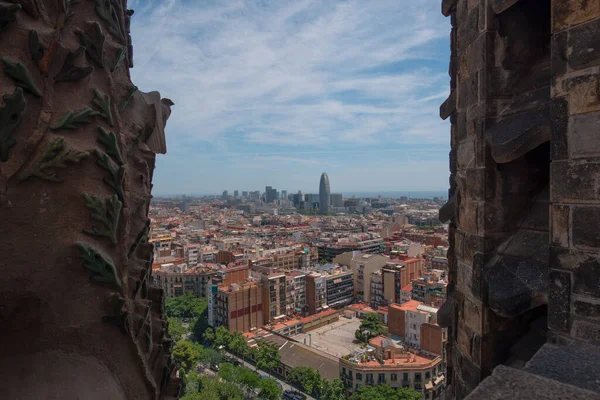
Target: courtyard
[{"x": 336, "y": 339}]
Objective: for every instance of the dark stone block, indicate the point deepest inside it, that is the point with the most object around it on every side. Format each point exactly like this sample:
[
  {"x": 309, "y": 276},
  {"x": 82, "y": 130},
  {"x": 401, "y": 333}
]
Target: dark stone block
[
  {"x": 468, "y": 91},
  {"x": 559, "y": 53},
  {"x": 587, "y": 277},
  {"x": 586, "y": 221},
  {"x": 560, "y": 225},
  {"x": 584, "y": 43},
  {"x": 449, "y": 106},
  {"x": 583, "y": 135},
  {"x": 448, "y": 6},
  {"x": 574, "y": 364},
  {"x": 448, "y": 210},
  {"x": 515, "y": 285},
  {"x": 453, "y": 161},
  {"x": 468, "y": 29},
  {"x": 514, "y": 136},
  {"x": 536, "y": 99},
  {"x": 528, "y": 245},
  {"x": 502, "y": 5},
  {"x": 574, "y": 182},
  {"x": 469, "y": 373},
  {"x": 559, "y": 297},
  {"x": 587, "y": 310},
  {"x": 511, "y": 383},
  {"x": 461, "y": 126},
  {"x": 478, "y": 52},
  {"x": 453, "y": 42},
  {"x": 587, "y": 331}
]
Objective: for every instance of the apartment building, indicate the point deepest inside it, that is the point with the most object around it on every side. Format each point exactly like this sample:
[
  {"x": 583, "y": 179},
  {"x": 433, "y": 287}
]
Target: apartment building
[
  {"x": 389, "y": 361},
  {"x": 363, "y": 266},
  {"x": 295, "y": 293},
  {"x": 416, "y": 324},
  {"x": 363, "y": 243},
  {"x": 274, "y": 296},
  {"x": 377, "y": 298},
  {"x": 239, "y": 306},
  {"x": 399, "y": 273},
  {"x": 339, "y": 284},
  {"x": 194, "y": 280},
  {"x": 316, "y": 293}
]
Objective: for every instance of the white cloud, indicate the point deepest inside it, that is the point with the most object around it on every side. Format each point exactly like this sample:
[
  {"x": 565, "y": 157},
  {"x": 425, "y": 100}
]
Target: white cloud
[{"x": 293, "y": 72}]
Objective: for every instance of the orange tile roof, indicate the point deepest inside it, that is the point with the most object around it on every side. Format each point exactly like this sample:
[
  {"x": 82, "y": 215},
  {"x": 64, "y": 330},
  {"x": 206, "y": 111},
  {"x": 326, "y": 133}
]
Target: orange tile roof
[
  {"x": 407, "y": 288},
  {"x": 410, "y": 305}
]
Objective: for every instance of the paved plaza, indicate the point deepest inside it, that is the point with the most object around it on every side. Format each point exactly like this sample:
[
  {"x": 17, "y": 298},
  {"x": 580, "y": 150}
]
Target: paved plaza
[{"x": 336, "y": 339}]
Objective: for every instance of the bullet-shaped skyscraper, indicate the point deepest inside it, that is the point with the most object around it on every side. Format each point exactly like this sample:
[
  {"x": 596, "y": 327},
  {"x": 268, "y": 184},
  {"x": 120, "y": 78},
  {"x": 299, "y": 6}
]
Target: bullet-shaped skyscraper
[{"x": 324, "y": 192}]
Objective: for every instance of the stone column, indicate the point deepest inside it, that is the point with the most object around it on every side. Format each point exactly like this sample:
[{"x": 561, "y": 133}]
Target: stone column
[{"x": 78, "y": 316}]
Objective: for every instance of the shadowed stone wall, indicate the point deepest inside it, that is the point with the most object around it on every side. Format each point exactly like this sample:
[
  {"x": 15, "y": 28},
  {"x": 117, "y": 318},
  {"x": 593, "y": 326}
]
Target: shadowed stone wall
[
  {"x": 524, "y": 197},
  {"x": 78, "y": 318}
]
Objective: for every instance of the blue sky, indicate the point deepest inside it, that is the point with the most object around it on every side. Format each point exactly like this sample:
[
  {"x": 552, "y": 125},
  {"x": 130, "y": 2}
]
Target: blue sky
[{"x": 276, "y": 92}]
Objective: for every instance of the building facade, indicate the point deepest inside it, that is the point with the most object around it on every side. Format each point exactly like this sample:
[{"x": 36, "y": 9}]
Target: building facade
[
  {"x": 239, "y": 307},
  {"x": 324, "y": 194}
]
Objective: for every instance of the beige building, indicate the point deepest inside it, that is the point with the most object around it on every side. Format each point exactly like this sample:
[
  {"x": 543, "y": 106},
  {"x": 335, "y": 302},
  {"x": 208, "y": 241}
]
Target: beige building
[
  {"x": 274, "y": 296},
  {"x": 239, "y": 307},
  {"x": 363, "y": 266}
]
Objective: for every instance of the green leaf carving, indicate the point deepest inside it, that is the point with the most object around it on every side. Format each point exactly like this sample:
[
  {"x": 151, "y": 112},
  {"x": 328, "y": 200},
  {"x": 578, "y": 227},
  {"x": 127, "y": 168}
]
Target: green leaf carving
[
  {"x": 73, "y": 120},
  {"x": 119, "y": 57},
  {"x": 115, "y": 178},
  {"x": 94, "y": 43},
  {"x": 142, "y": 137},
  {"x": 11, "y": 116},
  {"x": 35, "y": 46},
  {"x": 109, "y": 141},
  {"x": 106, "y": 10},
  {"x": 140, "y": 238},
  {"x": 67, "y": 7},
  {"x": 142, "y": 283},
  {"x": 8, "y": 15},
  {"x": 103, "y": 270},
  {"x": 120, "y": 315},
  {"x": 103, "y": 101},
  {"x": 128, "y": 98},
  {"x": 144, "y": 320},
  {"x": 19, "y": 73},
  {"x": 107, "y": 212},
  {"x": 56, "y": 155},
  {"x": 69, "y": 72}
]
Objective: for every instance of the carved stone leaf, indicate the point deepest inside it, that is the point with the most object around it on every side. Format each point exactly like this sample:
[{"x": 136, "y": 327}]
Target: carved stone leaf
[
  {"x": 72, "y": 120},
  {"x": 18, "y": 71},
  {"x": 120, "y": 55},
  {"x": 109, "y": 141},
  {"x": 103, "y": 102},
  {"x": 93, "y": 42},
  {"x": 106, "y": 10},
  {"x": 115, "y": 178},
  {"x": 8, "y": 15},
  {"x": 107, "y": 212},
  {"x": 56, "y": 155},
  {"x": 69, "y": 71},
  {"x": 102, "y": 268},
  {"x": 11, "y": 116},
  {"x": 35, "y": 46}
]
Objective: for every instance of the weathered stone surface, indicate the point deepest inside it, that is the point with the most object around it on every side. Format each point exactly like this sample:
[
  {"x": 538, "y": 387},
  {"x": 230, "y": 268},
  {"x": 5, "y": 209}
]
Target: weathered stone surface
[
  {"x": 583, "y": 89},
  {"x": 586, "y": 221},
  {"x": 468, "y": 29},
  {"x": 587, "y": 331},
  {"x": 448, "y": 6},
  {"x": 509, "y": 383},
  {"x": 468, "y": 90},
  {"x": 448, "y": 210},
  {"x": 559, "y": 113},
  {"x": 474, "y": 120},
  {"x": 469, "y": 372},
  {"x": 574, "y": 181},
  {"x": 560, "y": 225},
  {"x": 585, "y": 266},
  {"x": 461, "y": 126},
  {"x": 589, "y": 308},
  {"x": 466, "y": 154},
  {"x": 512, "y": 137},
  {"x": 559, "y": 53},
  {"x": 584, "y": 135},
  {"x": 584, "y": 44},
  {"x": 502, "y": 5},
  {"x": 567, "y": 13},
  {"x": 559, "y": 297},
  {"x": 528, "y": 245},
  {"x": 515, "y": 285},
  {"x": 573, "y": 364}
]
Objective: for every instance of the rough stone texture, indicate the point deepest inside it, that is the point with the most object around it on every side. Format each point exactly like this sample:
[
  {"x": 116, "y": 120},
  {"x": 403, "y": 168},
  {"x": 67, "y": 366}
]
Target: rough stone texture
[
  {"x": 584, "y": 44},
  {"x": 560, "y": 225},
  {"x": 559, "y": 293},
  {"x": 583, "y": 135},
  {"x": 568, "y": 13},
  {"x": 575, "y": 181},
  {"x": 585, "y": 227},
  {"x": 74, "y": 320},
  {"x": 510, "y": 383}
]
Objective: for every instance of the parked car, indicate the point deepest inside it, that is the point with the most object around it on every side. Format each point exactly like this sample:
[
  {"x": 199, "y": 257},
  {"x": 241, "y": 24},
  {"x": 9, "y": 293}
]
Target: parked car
[{"x": 292, "y": 395}]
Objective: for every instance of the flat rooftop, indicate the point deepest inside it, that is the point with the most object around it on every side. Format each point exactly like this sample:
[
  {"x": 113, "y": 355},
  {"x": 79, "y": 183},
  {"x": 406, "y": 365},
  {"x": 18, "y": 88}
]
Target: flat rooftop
[{"x": 336, "y": 339}]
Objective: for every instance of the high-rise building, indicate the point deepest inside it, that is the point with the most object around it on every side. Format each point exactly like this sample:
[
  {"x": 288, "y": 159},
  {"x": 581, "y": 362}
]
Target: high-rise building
[
  {"x": 337, "y": 200},
  {"x": 244, "y": 193},
  {"x": 225, "y": 194},
  {"x": 239, "y": 307},
  {"x": 270, "y": 194},
  {"x": 236, "y": 193},
  {"x": 324, "y": 193},
  {"x": 283, "y": 195}
]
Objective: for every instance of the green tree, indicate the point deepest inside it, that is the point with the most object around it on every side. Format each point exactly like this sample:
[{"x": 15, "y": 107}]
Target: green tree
[
  {"x": 370, "y": 326},
  {"x": 267, "y": 356},
  {"x": 384, "y": 392},
  {"x": 185, "y": 354},
  {"x": 186, "y": 306},
  {"x": 332, "y": 390},
  {"x": 176, "y": 328},
  {"x": 237, "y": 344},
  {"x": 248, "y": 378},
  {"x": 269, "y": 390},
  {"x": 307, "y": 378},
  {"x": 208, "y": 356}
]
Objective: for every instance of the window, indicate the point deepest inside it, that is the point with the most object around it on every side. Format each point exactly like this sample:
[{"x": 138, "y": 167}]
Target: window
[
  {"x": 434, "y": 374},
  {"x": 405, "y": 377},
  {"x": 369, "y": 378},
  {"x": 418, "y": 377},
  {"x": 343, "y": 371},
  {"x": 358, "y": 376},
  {"x": 427, "y": 375},
  {"x": 394, "y": 377},
  {"x": 350, "y": 374},
  {"x": 381, "y": 378}
]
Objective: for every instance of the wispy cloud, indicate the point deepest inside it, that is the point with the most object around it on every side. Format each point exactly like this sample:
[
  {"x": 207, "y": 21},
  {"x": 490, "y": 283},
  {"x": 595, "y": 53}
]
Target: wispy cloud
[{"x": 289, "y": 73}]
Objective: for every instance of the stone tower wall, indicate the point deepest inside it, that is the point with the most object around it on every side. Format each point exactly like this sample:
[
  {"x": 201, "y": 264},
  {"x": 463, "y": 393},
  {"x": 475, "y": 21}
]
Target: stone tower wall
[
  {"x": 78, "y": 317},
  {"x": 524, "y": 209}
]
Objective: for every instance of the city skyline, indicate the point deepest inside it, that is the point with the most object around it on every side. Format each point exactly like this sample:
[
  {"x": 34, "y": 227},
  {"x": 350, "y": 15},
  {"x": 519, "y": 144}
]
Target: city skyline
[{"x": 275, "y": 94}]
